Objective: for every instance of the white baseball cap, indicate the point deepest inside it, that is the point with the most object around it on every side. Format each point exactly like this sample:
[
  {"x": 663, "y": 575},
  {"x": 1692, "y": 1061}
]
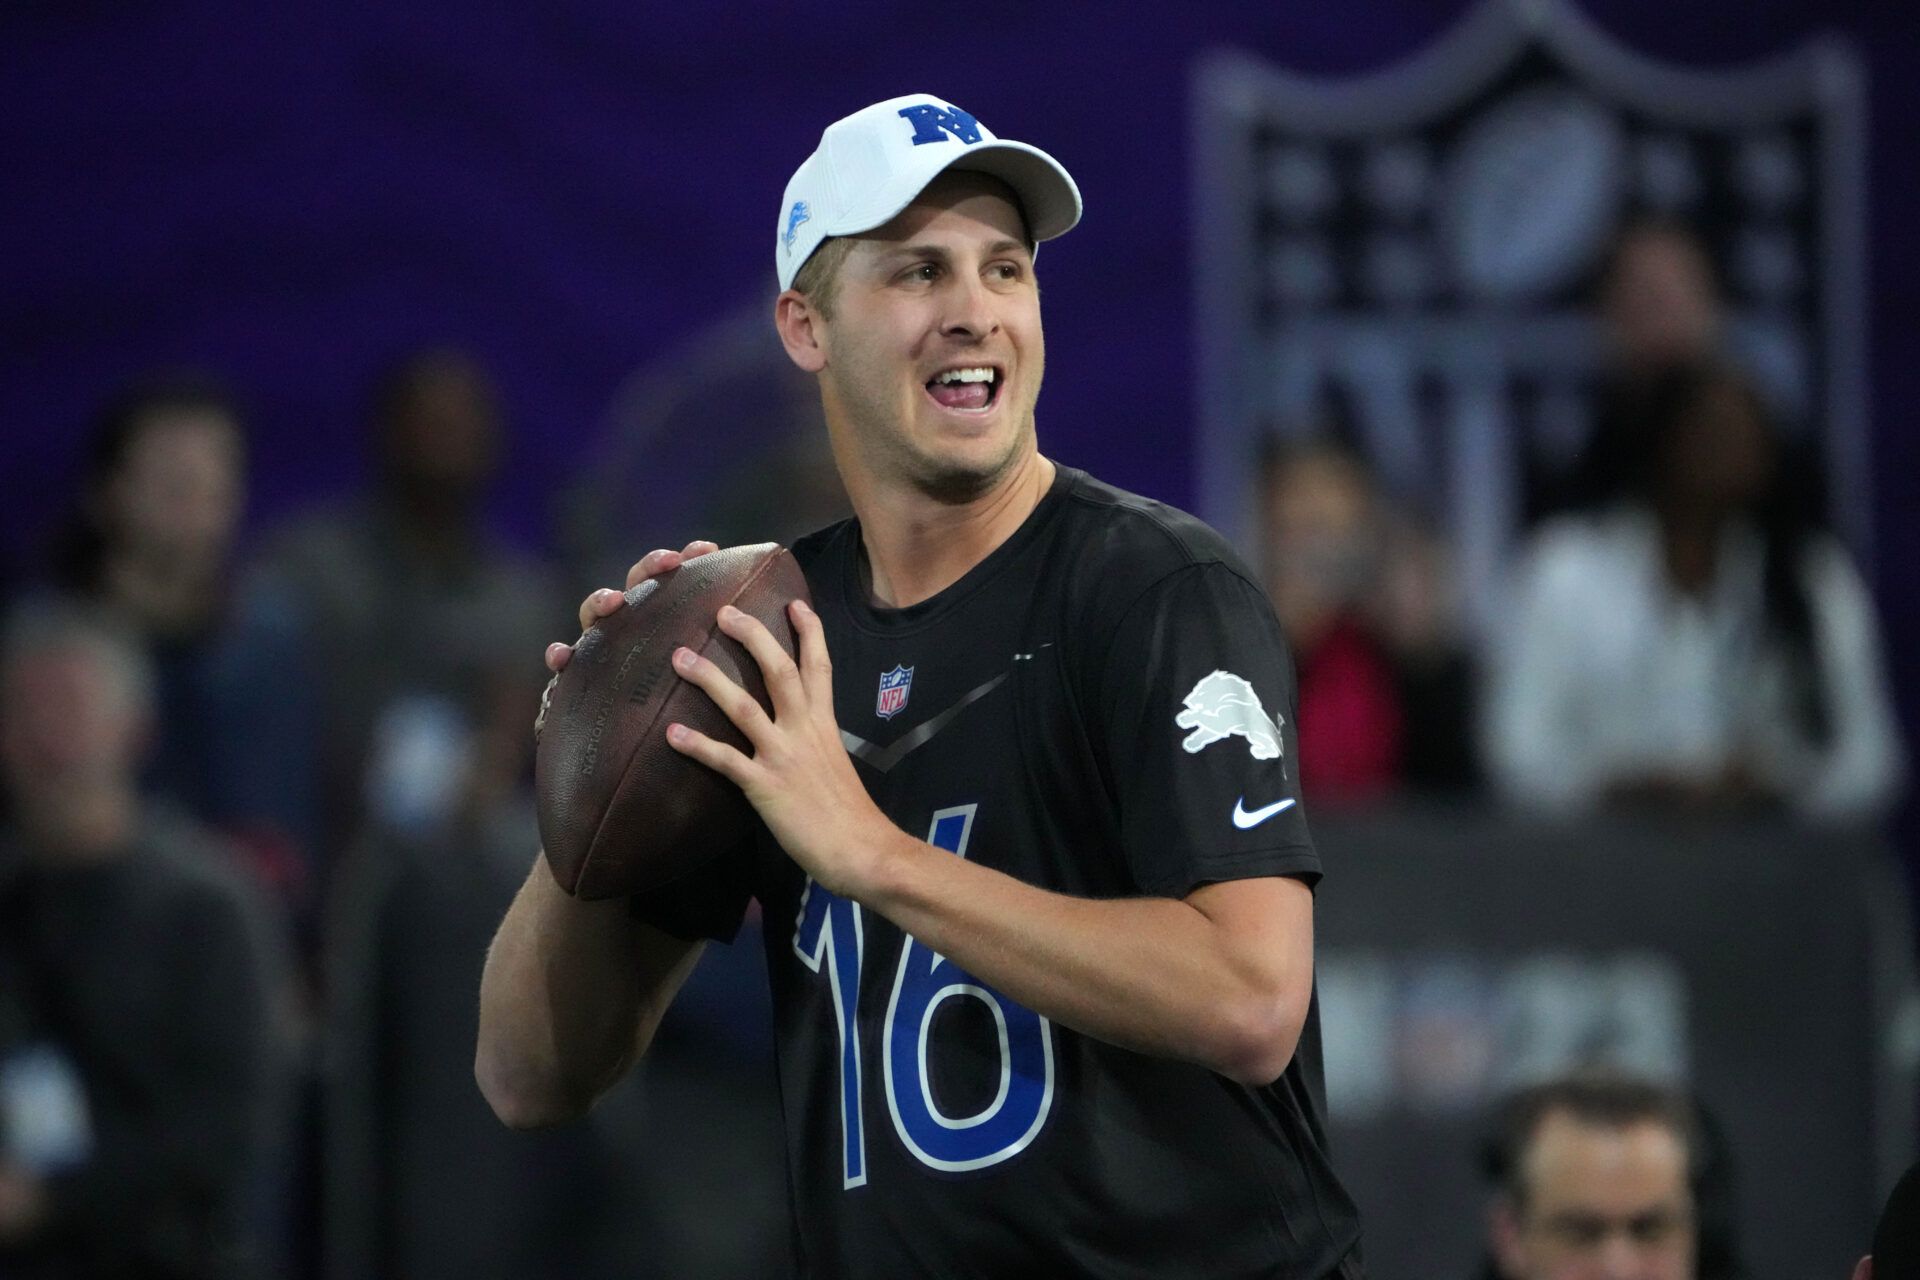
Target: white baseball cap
[{"x": 872, "y": 164}]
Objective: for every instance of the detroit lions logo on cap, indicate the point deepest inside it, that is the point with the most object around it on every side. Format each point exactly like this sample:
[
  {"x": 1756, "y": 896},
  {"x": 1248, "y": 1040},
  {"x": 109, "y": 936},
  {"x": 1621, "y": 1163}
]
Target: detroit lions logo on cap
[
  {"x": 1224, "y": 704},
  {"x": 795, "y": 216},
  {"x": 933, "y": 123}
]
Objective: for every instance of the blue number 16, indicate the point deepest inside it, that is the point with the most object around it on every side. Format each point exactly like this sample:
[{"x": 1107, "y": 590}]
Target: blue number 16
[{"x": 829, "y": 930}]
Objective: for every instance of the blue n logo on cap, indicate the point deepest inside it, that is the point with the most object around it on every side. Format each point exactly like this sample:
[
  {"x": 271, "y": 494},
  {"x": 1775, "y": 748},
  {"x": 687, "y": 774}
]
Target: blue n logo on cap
[{"x": 932, "y": 123}]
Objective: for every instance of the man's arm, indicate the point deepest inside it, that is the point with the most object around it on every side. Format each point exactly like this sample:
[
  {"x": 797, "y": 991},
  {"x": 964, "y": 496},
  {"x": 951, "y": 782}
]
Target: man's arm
[
  {"x": 569, "y": 1000},
  {"x": 1222, "y": 977},
  {"x": 573, "y": 991}
]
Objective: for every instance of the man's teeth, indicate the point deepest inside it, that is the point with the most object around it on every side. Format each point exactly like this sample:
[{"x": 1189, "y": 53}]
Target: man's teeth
[{"x": 965, "y": 375}]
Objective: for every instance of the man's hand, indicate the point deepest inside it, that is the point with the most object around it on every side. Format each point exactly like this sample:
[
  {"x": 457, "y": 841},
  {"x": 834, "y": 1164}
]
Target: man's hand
[
  {"x": 799, "y": 776},
  {"x": 600, "y": 603}
]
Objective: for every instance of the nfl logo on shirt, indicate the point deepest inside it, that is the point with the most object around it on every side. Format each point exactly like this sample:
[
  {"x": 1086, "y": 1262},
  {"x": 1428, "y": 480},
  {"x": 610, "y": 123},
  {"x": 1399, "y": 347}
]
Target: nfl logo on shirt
[{"x": 895, "y": 685}]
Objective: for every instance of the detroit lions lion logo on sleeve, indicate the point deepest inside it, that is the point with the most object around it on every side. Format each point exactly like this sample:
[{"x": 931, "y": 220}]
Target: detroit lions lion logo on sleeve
[{"x": 1224, "y": 704}]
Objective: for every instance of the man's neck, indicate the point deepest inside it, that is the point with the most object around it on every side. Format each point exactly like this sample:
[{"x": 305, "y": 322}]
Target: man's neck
[{"x": 917, "y": 546}]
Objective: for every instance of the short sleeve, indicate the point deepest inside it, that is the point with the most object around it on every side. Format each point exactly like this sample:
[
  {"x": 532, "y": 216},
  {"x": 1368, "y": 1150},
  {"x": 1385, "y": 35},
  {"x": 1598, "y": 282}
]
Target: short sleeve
[
  {"x": 707, "y": 903},
  {"x": 1195, "y": 707}
]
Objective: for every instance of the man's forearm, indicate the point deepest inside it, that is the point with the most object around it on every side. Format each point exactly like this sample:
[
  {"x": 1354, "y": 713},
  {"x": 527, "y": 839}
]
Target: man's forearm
[
  {"x": 569, "y": 998},
  {"x": 1160, "y": 975}
]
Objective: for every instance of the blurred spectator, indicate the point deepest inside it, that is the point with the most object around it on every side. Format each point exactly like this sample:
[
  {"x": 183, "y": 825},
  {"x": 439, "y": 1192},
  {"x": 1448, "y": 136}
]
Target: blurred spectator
[
  {"x": 422, "y": 619},
  {"x": 1384, "y": 691},
  {"x": 140, "y": 1058},
  {"x": 1660, "y": 308},
  {"x": 1323, "y": 546},
  {"x": 430, "y": 633},
  {"x": 1896, "y": 1241},
  {"x": 152, "y": 546},
  {"x": 423, "y": 1182},
  {"x": 1695, "y": 638},
  {"x": 1418, "y": 611},
  {"x": 1606, "y": 1176}
]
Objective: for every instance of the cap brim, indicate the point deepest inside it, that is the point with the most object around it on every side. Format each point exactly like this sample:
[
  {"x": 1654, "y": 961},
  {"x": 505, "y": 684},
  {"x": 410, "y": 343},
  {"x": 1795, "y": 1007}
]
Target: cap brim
[{"x": 1047, "y": 193}]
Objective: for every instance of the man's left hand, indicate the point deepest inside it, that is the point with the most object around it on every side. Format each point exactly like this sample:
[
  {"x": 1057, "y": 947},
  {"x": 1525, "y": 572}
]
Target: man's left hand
[{"x": 799, "y": 777}]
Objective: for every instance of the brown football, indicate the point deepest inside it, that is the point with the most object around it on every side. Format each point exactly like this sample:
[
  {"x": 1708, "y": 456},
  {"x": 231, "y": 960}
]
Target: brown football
[{"x": 620, "y": 810}]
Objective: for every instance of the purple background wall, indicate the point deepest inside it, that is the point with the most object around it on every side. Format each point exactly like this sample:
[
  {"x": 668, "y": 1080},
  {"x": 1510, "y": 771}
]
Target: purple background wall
[{"x": 290, "y": 195}]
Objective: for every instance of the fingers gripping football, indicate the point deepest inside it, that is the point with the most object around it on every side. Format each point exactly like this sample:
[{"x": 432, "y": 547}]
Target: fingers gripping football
[
  {"x": 601, "y": 603},
  {"x": 747, "y": 715},
  {"x": 656, "y": 562},
  {"x": 780, "y": 671},
  {"x": 799, "y": 776},
  {"x": 784, "y": 688}
]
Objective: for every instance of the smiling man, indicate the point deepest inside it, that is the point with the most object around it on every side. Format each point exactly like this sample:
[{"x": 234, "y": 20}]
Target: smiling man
[{"x": 1038, "y": 886}]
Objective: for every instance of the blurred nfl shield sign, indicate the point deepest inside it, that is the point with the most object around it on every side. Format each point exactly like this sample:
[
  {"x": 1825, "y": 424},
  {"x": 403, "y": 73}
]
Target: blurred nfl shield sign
[
  {"x": 895, "y": 685},
  {"x": 1417, "y": 250}
]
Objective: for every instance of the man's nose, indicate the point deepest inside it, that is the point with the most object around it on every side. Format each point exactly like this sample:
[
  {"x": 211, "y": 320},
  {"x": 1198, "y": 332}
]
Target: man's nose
[
  {"x": 1619, "y": 1259},
  {"x": 969, "y": 310}
]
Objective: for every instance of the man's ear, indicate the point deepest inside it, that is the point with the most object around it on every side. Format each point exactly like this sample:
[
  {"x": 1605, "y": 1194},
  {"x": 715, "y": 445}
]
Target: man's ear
[
  {"x": 1503, "y": 1237},
  {"x": 801, "y": 330}
]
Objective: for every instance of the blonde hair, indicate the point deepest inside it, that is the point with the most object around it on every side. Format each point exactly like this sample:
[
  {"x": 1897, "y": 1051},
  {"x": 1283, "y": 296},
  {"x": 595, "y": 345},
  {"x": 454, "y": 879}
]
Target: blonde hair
[{"x": 818, "y": 276}]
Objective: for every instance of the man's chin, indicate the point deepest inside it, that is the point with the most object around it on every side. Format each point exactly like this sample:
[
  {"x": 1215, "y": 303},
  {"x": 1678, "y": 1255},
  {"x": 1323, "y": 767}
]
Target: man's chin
[
  {"x": 956, "y": 481},
  {"x": 956, "y": 487}
]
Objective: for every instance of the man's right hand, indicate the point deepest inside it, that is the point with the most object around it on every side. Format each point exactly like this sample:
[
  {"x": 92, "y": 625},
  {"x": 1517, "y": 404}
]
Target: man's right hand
[{"x": 600, "y": 603}]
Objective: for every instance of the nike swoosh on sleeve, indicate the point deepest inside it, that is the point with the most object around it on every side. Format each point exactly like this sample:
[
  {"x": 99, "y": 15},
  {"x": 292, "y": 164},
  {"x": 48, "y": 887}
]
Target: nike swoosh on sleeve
[{"x": 1243, "y": 820}]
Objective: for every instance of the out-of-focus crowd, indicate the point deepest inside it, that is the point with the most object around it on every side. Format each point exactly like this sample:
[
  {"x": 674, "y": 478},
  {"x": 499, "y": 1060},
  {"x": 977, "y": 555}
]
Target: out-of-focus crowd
[
  {"x": 1682, "y": 629},
  {"x": 238, "y": 789},
  {"x": 255, "y": 797}
]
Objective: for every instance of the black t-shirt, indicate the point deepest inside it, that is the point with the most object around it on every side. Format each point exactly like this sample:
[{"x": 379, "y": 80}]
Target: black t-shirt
[{"x": 1103, "y": 707}]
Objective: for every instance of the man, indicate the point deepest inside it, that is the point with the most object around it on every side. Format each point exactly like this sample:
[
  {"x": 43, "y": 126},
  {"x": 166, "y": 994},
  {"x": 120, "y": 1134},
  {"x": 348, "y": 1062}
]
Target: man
[
  {"x": 1045, "y": 1003},
  {"x": 152, "y": 544},
  {"x": 413, "y": 608},
  {"x": 1605, "y": 1177},
  {"x": 140, "y": 1063}
]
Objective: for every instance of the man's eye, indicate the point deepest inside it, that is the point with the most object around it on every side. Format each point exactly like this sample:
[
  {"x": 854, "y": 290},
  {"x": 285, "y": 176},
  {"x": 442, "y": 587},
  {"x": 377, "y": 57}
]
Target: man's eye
[
  {"x": 1653, "y": 1228},
  {"x": 926, "y": 271},
  {"x": 1577, "y": 1232}
]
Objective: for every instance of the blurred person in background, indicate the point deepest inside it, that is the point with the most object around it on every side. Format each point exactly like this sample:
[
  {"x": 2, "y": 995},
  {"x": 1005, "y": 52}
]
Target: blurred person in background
[
  {"x": 415, "y": 616},
  {"x": 422, "y": 620},
  {"x": 1361, "y": 591},
  {"x": 1659, "y": 305},
  {"x": 422, "y": 1181},
  {"x": 152, "y": 545},
  {"x": 1323, "y": 545},
  {"x": 1601, "y": 1176},
  {"x": 141, "y": 1056},
  {"x": 1695, "y": 638},
  {"x": 417, "y": 611}
]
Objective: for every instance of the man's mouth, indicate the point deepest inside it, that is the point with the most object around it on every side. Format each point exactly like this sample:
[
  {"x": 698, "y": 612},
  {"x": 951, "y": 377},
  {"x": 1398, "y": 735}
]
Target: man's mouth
[{"x": 973, "y": 387}]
